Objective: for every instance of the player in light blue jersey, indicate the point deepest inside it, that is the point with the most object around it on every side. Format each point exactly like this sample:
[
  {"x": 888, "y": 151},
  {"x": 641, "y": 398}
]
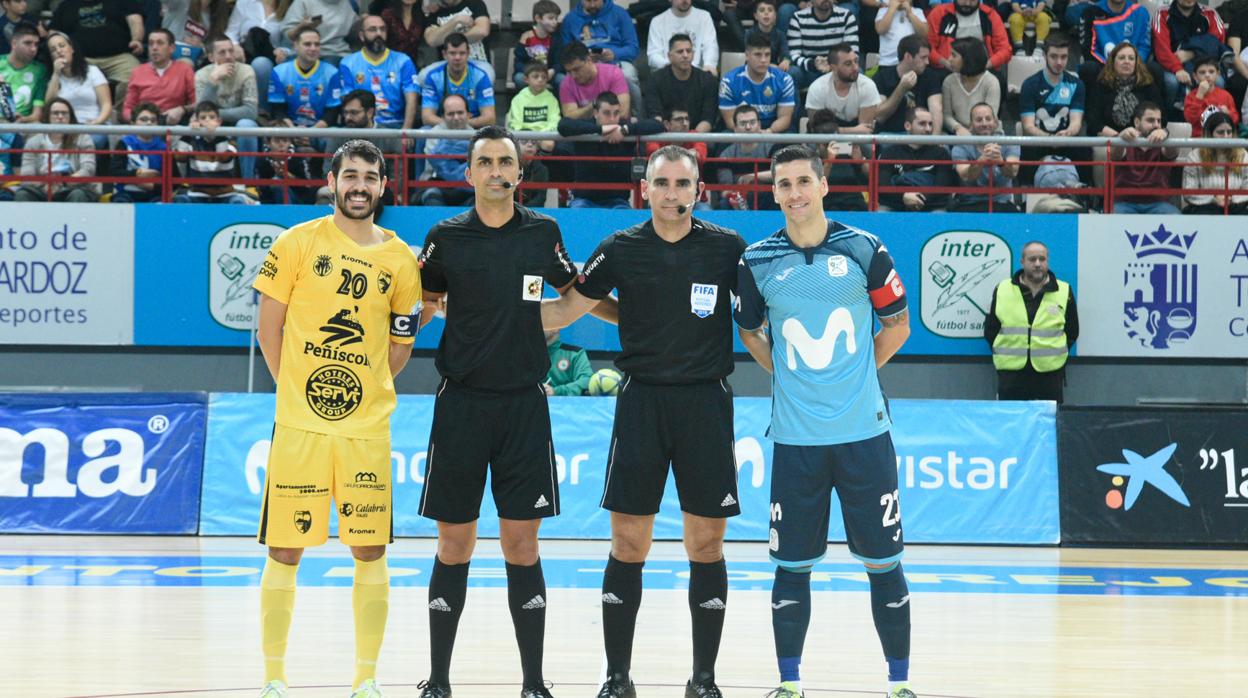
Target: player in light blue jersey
[
  {"x": 389, "y": 75},
  {"x": 809, "y": 296},
  {"x": 305, "y": 91},
  {"x": 761, "y": 85}
]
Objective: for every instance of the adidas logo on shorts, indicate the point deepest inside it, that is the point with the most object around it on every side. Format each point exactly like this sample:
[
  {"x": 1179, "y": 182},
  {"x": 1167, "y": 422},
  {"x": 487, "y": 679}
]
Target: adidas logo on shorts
[
  {"x": 715, "y": 604},
  {"x": 439, "y": 604},
  {"x": 541, "y": 502},
  {"x": 611, "y": 599},
  {"x": 728, "y": 501},
  {"x": 534, "y": 603}
]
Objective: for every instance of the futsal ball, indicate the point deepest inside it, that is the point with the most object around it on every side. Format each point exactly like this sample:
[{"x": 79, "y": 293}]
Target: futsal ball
[{"x": 605, "y": 382}]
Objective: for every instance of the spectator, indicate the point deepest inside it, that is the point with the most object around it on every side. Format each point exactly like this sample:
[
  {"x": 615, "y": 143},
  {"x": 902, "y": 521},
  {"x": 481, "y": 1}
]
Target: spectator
[
  {"x": 25, "y": 78},
  {"x": 851, "y": 96},
  {"x": 1182, "y": 33},
  {"x": 681, "y": 85},
  {"x": 589, "y": 79},
  {"x": 677, "y": 121},
  {"x": 70, "y": 157},
  {"x": 1142, "y": 168},
  {"x": 1051, "y": 103},
  {"x": 930, "y": 168},
  {"x": 894, "y": 21},
  {"x": 13, "y": 13},
  {"x": 1029, "y": 347},
  {"x": 167, "y": 83},
  {"x": 766, "y": 25},
  {"x": 843, "y": 165},
  {"x": 683, "y": 18},
  {"x": 969, "y": 84},
  {"x": 953, "y": 21},
  {"x": 448, "y": 158},
  {"x": 79, "y": 83},
  {"x": 1215, "y": 168},
  {"x": 761, "y": 85},
  {"x": 982, "y": 166},
  {"x": 333, "y": 19},
  {"x": 305, "y": 92},
  {"x": 142, "y": 156},
  {"x": 1109, "y": 23},
  {"x": 467, "y": 17},
  {"x": 1207, "y": 95},
  {"x": 607, "y": 30},
  {"x": 534, "y": 108},
  {"x": 458, "y": 76},
  {"x": 533, "y": 171},
  {"x": 405, "y": 26},
  {"x": 1122, "y": 84},
  {"x": 908, "y": 84},
  {"x": 389, "y": 75},
  {"x": 208, "y": 155},
  {"x": 745, "y": 120},
  {"x": 599, "y": 163},
  {"x": 541, "y": 43},
  {"x": 110, "y": 33},
  {"x": 811, "y": 33},
  {"x": 1236, "y": 18},
  {"x": 232, "y": 87},
  {"x": 256, "y": 25},
  {"x": 1027, "y": 12},
  {"x": 359, "y": 110},
  {"x": 281, "y": 161},
  {"x": 569, "y": 367}
]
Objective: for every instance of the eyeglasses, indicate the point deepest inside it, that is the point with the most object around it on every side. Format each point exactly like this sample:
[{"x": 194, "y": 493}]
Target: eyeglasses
[{"x": 747, "y": 123}]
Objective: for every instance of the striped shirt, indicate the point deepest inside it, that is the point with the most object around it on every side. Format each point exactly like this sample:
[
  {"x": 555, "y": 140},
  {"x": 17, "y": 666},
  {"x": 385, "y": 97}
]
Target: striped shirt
[{"x": 809, "y": 37}]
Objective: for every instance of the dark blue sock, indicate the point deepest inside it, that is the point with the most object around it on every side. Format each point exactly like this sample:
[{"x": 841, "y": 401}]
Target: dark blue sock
[
  {"x": 890, "y": 608},
  {"x": 790, "y": 617}
]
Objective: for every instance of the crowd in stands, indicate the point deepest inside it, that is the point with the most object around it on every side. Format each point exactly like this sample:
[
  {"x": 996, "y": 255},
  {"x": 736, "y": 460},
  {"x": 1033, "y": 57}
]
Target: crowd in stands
[{"x": 1108, "y": 68}]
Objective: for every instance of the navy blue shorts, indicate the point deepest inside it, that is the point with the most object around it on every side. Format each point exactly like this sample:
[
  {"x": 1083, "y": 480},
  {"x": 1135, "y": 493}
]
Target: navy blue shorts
[{"x": 864, "y": 475}]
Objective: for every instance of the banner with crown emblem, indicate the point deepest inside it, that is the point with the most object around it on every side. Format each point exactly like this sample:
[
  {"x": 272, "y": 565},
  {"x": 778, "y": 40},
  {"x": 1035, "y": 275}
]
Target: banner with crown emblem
[{"x": 1163, "y": 286}]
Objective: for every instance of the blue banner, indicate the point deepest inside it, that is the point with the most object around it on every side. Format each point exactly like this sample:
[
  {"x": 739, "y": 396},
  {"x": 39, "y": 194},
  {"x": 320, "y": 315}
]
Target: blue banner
[
  {"x": 970, "y": 472},
  {"x": 194, "y": 265},
  {"x": 107, "y": 463}
]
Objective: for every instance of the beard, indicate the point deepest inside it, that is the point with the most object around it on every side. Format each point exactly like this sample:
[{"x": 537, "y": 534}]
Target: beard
[
  {"x": 340, "y": 201},
  {"x": 966, "y": 11},
  {"x": 377, "y": 45}
]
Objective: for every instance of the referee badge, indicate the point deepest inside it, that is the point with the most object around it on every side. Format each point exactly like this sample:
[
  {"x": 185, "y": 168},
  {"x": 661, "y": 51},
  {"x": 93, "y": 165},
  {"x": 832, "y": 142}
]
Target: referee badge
[
  {"x": 702, "y": 299},
  {"x": 531, "y": 290}
]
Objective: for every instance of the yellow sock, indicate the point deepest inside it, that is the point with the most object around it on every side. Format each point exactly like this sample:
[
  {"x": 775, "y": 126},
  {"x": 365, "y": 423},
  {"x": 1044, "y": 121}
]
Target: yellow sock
[
  {"x": 370, "y": 599},
  {"x": 277, "y": 602}
]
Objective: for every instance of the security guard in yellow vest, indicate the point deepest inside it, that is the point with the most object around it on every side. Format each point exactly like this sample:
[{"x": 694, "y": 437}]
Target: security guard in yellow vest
[{"x": 1030, "y": 326}]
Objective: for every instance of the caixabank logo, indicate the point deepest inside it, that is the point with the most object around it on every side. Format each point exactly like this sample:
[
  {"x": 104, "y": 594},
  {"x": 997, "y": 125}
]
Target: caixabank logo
[
  {"x": 960, "y": 269},
  {"x": 1139, "y": 471},
  {"x": 1159, "y": 309},
  {"x": 235, "y": 255}
]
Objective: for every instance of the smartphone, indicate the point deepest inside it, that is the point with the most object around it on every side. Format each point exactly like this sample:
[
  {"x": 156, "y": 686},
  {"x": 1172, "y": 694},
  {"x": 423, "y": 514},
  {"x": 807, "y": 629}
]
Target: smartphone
[
  {"x": 596, "y": 49},
  {"x": 317, "y": 18}
]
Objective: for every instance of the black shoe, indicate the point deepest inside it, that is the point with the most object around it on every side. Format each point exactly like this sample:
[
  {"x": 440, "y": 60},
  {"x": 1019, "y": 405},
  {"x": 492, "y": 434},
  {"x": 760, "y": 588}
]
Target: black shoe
[
  {"x": 433, "y": 690},
  {"x": 617, "y": 686},
  {"x": 702, "y": 689},
  {"x": 541, "y": 691}
]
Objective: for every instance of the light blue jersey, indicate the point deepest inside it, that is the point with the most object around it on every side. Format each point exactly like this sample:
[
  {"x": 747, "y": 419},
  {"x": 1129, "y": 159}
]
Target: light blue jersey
[
  {"x": 820, "y": 304},
  {"x": 307, "y": 95},
  {"x": 775, "y": 91},
  {"x": 390, "y": 80}
]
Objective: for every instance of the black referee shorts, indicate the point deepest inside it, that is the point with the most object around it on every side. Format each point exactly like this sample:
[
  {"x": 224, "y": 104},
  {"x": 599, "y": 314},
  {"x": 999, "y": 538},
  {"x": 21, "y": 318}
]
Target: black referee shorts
[
  {"x": 507, "y": 432},
  {"x": 688, "y": 426}
]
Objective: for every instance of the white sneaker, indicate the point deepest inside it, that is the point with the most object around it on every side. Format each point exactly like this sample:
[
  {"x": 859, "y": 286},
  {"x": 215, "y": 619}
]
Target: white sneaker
[
  {"x": 1037, "y": 54},
  {"x": 368, "y": 689},
  {"x": 274, "y": 689},
  {"x": 1020, "y": 52}
]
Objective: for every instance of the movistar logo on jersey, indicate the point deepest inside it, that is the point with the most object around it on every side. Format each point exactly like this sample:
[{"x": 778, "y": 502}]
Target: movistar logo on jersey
[{"x": 817, "y": 352}]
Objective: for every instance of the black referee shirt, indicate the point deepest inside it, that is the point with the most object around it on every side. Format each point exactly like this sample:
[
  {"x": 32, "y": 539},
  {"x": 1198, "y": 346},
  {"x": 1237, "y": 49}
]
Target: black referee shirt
[
  {"x": 493, "y": 279},
  {"x": 675, "y": 309}
]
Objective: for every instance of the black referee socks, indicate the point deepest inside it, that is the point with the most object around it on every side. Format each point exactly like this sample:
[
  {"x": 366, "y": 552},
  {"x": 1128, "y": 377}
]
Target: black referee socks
[
  {"x": 448, "y": 586},
  {"x": 526, "y": 596},
  {"x": 708, "y": 597},
  {"x": 621, "y": 597}
]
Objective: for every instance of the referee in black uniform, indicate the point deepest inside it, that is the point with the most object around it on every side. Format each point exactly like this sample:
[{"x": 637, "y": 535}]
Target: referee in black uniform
[
  {"x": 674, "y": 274},
  {"x": 491, "y": 262}
]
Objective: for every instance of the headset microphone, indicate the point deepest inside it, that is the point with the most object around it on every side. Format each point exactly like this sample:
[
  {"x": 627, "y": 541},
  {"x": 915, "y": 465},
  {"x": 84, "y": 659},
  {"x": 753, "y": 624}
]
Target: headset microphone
[
  {"x": 508, "y": 185},
  {"x": 681, "y": 209}
]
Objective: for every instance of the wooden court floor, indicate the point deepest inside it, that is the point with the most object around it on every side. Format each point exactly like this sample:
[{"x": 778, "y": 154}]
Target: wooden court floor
[{"x": 147, "y": 616}]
